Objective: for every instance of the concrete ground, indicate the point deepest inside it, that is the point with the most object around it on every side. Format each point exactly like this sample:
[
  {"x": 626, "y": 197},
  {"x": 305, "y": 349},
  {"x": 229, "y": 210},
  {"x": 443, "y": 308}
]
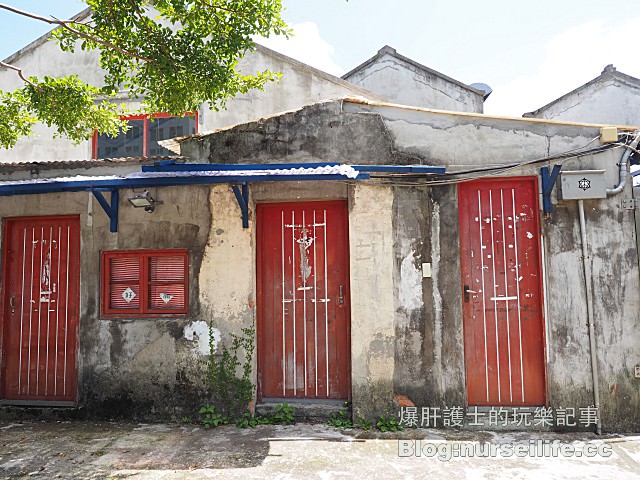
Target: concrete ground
[{"x": 99, "y": 450}]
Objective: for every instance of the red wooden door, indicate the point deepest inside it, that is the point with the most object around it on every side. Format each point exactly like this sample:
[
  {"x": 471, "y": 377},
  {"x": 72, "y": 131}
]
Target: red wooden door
[
  {"x": 40, "y": 309},
  {"x": 303, "y": 300},
  {"x": 501, "y": 287}
]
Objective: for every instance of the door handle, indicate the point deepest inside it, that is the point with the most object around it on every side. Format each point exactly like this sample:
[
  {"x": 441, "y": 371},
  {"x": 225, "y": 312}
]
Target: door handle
[
  {"x": 12, "y": 304},
  {"x": 467, "y": 291},
  {"x": 341, "y": 296}
]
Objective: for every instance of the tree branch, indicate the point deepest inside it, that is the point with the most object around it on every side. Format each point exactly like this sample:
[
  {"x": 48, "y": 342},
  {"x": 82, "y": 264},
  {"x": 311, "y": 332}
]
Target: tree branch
[
  {"x": 65, "y": 24},
  {"x": 20, "y": 74},
  {"x": 159, "y": 40}
]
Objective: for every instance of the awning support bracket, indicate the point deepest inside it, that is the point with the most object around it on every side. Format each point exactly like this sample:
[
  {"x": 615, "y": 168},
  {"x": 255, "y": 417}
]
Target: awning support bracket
[
  {"x": 548, "y": 182},
  {"x": 242, "y": 196},
  {"x": 110, "y": 208}
]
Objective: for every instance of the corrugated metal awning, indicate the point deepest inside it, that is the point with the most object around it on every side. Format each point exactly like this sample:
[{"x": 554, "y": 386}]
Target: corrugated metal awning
[
  {"x": 173, "y": 178},
  {"x": 170, "y": 173}
]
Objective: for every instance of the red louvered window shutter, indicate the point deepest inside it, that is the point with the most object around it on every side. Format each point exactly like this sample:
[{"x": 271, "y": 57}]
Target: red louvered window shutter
[
  {"x": 166, "y": 282},
  {"x": 144, "y": 283},
  {"x": 124, "y": 284}
]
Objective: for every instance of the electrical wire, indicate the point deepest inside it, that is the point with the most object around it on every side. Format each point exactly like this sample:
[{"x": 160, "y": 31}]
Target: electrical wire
[
  {"x": 493, "y": 170},
  {"x": 485, "y": 172}
]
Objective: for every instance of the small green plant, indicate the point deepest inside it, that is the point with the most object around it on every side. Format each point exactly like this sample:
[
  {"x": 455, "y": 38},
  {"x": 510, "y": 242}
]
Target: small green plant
[
  {"x": 210, "y": 418},
  {"x": 364, "y": 424},
  {"x": 283, "y": 416},
  {"x": 186, "y": 419},
  {"x": 249, "y": 421},
  {"x": 388, "y": 423},
  {"x": 342, "y": 418}
]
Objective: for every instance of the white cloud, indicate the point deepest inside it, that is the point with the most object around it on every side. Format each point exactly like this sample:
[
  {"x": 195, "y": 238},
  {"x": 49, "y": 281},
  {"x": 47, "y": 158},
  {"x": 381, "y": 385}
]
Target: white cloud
[
  {"x": 572, "y": 58},
  {"x": 306, "y": 45}
]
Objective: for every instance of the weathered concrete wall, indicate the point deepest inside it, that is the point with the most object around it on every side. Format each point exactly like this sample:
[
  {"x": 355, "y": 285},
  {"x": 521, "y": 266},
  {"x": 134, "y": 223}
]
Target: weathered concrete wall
[
  {"x": 151, "y": 362},
  {"x": 372, "y": 305},
  {"x": 428, "y": 353},
  {"x": 613, "y": 259},
  {"x": 429, "y": 363},
  {"x": 140, "y": 366},
  {"x": 403, "y": 81},
  {"x": 609, "y": 100},
  {"x": 314, "y": 134},
  {"x": 226, "y": 281}
]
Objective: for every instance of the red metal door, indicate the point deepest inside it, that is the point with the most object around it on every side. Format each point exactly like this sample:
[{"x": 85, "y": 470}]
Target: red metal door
[
  {"x": 303, "y": 300},
  {"x": 40, "y": 306},
  {"x": 501, "y": 287}
]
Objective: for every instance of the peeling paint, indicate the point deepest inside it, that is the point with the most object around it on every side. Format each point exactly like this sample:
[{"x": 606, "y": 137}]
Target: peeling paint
[
  {"x": 304, "y": 242},
  {"x": 437, "y": 297},
  {"x": 410, "y": 288},
  {"x": 199, "y": 332}
]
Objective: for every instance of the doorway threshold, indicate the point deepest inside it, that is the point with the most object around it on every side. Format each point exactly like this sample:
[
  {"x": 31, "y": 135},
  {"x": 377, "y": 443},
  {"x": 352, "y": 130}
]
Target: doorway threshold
[{"x": 305, "y": 410}]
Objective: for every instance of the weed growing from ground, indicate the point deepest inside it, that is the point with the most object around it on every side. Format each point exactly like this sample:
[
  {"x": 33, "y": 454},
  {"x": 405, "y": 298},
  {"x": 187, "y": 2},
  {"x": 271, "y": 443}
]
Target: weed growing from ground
[
  {"x": 388, "y": 423},
  {"x": 229, "y": 393},
  {"x": 210, "y": 418}
]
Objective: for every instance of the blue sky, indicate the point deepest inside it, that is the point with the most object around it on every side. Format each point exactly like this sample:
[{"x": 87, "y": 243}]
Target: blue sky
[{"x": 528, "y": 52}]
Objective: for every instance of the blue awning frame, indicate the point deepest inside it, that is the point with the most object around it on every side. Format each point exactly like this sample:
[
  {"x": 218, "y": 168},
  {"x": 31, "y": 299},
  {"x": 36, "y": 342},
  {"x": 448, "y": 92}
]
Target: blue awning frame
[{"x": 239, "y": 183}]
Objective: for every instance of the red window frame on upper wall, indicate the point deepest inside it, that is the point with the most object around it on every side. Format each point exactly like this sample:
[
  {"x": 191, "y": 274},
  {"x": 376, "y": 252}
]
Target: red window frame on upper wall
[
  {"x": 145, "y": 129},
  {"x": 150, "y": 291}
]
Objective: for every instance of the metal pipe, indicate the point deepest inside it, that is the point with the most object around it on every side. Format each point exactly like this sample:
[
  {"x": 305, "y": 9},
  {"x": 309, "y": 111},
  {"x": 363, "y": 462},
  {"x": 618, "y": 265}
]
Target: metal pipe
[
  {"x": 592, "y": 335},
  {"x": 623, "y": 171}
]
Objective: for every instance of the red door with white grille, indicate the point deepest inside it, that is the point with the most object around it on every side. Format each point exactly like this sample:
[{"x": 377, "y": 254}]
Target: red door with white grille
[
  {"x": 40, "y": 281},
  {"x": 502, "y": 292},
  {"x": 303, "y": 301}
]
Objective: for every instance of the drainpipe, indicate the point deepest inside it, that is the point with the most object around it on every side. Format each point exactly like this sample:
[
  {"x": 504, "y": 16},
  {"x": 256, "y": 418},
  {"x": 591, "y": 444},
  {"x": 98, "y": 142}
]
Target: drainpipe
[
  {"x": 592, "y": 335},
  {"x": 623, "y": 172}
]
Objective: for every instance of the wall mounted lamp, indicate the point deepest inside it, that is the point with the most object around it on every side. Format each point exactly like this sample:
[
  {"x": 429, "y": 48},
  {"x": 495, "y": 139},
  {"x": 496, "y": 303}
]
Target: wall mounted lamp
[{"x": 144, "y": 200}]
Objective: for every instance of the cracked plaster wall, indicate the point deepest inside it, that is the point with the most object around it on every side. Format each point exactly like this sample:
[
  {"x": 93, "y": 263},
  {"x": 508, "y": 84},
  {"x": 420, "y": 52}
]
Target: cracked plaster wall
[{"x": 407, "y": 84}]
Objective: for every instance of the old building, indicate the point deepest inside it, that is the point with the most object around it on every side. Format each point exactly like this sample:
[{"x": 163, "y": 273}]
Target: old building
[
  {"x": 349, "y": 240},
  {"x": 378, "y": 249},
  {"x": 610, "y": 98},
  {"x": 407, "y": 82},
  {"x": 463, "y": 291}
]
